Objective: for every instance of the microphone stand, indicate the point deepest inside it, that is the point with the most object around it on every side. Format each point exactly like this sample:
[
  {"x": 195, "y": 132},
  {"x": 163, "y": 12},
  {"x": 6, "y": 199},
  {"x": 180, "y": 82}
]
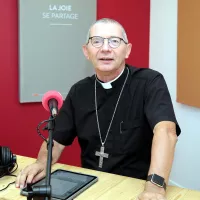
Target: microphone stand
[{"x": 44, "y": 192}]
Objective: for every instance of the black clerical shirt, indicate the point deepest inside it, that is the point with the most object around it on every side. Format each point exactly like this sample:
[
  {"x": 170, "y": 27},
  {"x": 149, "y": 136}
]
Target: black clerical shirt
[{"x": 144, "y": 102}]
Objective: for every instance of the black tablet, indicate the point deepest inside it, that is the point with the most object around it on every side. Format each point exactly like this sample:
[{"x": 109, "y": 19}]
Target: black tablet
[{"x": 66, "y": 185}]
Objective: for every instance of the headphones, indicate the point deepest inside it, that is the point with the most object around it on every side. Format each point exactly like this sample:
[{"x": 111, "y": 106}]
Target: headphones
[{"x": 7, "y": 161}]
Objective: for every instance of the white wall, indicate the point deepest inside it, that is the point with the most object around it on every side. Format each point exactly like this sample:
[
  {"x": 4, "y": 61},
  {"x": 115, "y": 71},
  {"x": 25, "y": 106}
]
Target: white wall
[{"x": 163, "y": 58}]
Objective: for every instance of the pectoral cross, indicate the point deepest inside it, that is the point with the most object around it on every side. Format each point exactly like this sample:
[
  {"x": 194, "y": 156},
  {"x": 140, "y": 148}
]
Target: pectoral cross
[{"x": 101, "y": 155}]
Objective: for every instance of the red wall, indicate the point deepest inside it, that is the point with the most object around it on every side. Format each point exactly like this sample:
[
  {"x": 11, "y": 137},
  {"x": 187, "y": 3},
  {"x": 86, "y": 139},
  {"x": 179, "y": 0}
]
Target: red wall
[{"x": 19, "y": 121}]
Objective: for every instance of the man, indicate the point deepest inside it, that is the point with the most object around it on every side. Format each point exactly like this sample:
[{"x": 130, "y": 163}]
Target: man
[{"x": 123, "y": 117}]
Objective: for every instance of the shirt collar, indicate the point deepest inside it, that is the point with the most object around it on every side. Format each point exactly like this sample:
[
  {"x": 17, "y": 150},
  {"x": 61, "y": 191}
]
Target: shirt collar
[{"x": 108, "y": 85}]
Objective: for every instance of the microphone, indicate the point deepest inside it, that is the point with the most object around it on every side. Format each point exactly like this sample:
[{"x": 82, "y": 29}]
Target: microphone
[{"x": 52, "y": 102}]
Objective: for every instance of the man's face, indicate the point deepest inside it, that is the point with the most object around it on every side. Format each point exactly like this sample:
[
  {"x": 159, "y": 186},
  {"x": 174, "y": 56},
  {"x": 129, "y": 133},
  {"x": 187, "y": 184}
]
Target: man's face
[{"x": 105, "y": 58}]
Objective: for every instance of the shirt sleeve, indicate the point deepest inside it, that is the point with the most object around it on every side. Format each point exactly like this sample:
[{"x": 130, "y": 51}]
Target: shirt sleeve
[
  {"x": 158, "y": 103},
  {"x": 65, "y": 132}
]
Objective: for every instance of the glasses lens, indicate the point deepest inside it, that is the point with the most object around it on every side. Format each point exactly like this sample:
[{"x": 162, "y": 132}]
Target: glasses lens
[
  {"x": 114, "y": 42},
  {"x": 97, "y": 41}
]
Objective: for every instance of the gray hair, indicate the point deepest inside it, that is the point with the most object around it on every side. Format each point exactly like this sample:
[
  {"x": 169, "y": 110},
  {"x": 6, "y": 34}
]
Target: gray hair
[{"x": 107, "y": 21}]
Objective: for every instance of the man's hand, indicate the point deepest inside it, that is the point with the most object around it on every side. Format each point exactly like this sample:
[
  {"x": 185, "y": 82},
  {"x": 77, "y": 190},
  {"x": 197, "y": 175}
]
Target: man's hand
[
  {"x": 30, "y": 174},
  {"x": 150, "y": 196},
  {"x": 152, "y": 192}
]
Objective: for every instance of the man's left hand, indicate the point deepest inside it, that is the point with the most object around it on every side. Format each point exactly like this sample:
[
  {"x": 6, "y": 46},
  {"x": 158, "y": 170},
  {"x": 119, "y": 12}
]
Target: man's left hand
[
  {"x": 152, "y": 192},
  {"x": 150, "y": 196}
]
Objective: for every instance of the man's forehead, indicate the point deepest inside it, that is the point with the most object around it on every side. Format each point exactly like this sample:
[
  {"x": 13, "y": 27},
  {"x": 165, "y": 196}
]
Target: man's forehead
[{"x": 106, "y": 30}]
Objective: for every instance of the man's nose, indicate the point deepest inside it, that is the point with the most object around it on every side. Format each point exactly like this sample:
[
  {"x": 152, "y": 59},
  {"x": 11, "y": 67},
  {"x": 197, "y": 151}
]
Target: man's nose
[{"x": 106, "y": 46}]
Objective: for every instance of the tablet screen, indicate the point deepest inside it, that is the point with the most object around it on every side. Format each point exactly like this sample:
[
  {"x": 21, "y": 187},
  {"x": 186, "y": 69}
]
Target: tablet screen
[{"x": 67, "y": 184}]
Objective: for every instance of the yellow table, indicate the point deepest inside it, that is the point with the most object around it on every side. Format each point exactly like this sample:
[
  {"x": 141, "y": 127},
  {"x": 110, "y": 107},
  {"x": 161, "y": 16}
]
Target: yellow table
[{"x": 108, "y": 187}]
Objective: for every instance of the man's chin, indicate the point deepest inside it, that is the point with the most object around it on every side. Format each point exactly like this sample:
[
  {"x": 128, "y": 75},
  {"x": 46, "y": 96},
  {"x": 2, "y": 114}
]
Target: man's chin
[{"x": 105, "y": 68}]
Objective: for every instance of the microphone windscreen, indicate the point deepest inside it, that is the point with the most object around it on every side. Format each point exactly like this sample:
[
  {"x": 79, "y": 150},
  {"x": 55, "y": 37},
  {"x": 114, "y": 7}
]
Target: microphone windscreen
[{"x": 52, "y": 94}]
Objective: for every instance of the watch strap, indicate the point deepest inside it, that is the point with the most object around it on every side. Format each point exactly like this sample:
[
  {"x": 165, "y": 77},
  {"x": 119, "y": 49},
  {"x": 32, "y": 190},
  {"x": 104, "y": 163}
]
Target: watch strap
[{"x": 151, "y": 179}]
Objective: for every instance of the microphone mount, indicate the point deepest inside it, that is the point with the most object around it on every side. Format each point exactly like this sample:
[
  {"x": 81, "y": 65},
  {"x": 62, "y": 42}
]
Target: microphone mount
[{"x": 43, "y": 192}]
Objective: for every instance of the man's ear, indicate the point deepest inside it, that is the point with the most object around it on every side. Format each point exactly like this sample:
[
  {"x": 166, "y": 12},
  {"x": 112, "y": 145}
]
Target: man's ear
[
  {"x": 128, "y": 49},
  {"x": 85, "y": 51}
]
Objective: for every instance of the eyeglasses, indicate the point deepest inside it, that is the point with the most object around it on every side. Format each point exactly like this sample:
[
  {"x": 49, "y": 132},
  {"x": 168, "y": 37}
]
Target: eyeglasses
[{"x": 113, "y": 42}]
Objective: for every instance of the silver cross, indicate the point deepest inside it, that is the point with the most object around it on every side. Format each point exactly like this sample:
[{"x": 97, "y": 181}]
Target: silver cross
[{"x": 101, "y": 155}]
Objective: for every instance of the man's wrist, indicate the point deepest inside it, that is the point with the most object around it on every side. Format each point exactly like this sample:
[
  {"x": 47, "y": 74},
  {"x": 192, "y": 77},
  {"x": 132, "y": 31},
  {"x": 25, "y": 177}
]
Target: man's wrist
[
  {"x": 43, "y": 162},
  {"x": 150, "y": 187}
]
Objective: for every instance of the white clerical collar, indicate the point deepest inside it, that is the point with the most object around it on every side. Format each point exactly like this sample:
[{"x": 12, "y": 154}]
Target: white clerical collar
[{"x": 108, "y": 85}]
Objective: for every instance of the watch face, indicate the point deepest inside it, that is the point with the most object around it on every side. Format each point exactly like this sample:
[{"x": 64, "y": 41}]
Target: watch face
[{"x": 158, "y": 180}]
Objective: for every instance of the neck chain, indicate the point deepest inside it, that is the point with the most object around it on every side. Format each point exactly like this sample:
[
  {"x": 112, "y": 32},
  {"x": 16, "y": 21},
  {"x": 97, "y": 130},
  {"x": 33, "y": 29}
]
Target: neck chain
[{"x": 103, "y": 142}]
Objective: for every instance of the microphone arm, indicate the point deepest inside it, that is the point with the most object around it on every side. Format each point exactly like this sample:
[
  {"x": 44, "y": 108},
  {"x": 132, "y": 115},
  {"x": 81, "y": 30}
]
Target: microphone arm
[
  {"x": 50, "y": 126},
  {"x": 44, "y": 192}
]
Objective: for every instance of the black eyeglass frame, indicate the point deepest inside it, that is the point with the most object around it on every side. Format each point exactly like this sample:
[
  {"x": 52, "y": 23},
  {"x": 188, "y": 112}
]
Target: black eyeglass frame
[{"x": 121, "y": 39}]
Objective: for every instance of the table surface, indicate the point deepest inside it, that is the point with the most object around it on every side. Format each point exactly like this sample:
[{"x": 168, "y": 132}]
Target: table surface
[{"x": 108, "y": 187}]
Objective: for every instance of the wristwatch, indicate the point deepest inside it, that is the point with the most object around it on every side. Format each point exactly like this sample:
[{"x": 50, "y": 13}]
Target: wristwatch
[{"x": 157, "y": 180}]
